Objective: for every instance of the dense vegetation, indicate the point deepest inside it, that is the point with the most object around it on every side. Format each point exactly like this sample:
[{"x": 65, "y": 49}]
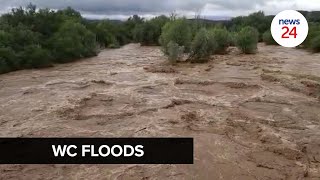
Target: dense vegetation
[
  {"x": 202, "y": 41},
  {"x": 37, "y": 38},
  {"x": 257, "y": 20},
  {"x": 148, "y": 33},
  {"x": 310, "y": 42},
  {"x": 315, "y": 44},
  {"x": 244, "y": 32}
]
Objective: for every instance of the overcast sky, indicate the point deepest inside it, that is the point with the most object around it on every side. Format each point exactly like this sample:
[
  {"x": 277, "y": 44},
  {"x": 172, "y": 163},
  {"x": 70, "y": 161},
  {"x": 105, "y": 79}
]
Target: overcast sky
[{"x": 121, "y": 9}]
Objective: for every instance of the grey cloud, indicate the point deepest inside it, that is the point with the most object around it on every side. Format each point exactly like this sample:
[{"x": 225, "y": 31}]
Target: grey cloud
[{"x": 129, "y": 7}]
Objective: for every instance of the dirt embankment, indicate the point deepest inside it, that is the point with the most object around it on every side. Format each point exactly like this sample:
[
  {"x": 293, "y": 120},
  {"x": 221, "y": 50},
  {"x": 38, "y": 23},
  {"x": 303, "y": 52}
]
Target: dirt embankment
[{"x": 252, "y": 116}]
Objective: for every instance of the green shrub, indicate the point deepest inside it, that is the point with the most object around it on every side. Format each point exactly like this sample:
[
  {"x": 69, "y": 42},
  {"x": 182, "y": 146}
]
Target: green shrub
[
  {"x": 105, "y": 38},
  {"x": 22, "y": 37},
  {"x": 212, "y": 43},
  {"x": 256, "y": 19},
  {"x": 203, "y": 46},
  {"x": 315, "y": 44},
  {"x": 222, "y": 38},
  {"x": 145, "y": 34},
  {"x": 31, "y": 38},
  {"x": 104, "y": 34},
  {"x": 268, "y": 39},
  {"x": 149, "y": 32},
  {"x": 9, "y": 58},
  {"x": 177, "y": 31},
  {"x": 4, "y": 68},
  {"x": 175, "y": 52},
  {"x": 247, "y": 40},
  {"x": 73, "y": 41},
  {"x": 232, "y": 39},
  {"x": 137, "y": 33},
  {"x": 314, "y": 31},
  {"x": 35, "y": 57},
  {"x": 6, "y": 38}
]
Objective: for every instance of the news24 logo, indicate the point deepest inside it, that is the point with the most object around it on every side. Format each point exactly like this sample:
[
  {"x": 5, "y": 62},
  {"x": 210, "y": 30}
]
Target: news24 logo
[{"x": 289, "y": 28}]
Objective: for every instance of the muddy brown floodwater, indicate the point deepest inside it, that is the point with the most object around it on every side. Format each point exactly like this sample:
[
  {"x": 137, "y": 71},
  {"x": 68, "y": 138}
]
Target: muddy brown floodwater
[{"x": 251, "y": 116}]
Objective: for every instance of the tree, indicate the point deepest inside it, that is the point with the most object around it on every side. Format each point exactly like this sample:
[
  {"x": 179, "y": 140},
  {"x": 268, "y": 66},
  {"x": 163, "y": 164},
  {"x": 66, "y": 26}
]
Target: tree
[
  {"x": 314, "y": 31},
  {"x": 4, "y": 68},
  {"x": 47, "y": 22},
  {"x": 105, "y": 34},
  {"x": 70, "y": 14},
  {"x": 222, "y": 38},
  {"x": 148, "y": 33},
  {"x": 34, "y": 38},
  {"x": 315, "y": 44},
  {"x": 72, "y": 41},
  {"x": 131, "y": 24},
  {"x": 178, "y": 31},
  {"x": 257, "y": 20},
  {"x": 8, "y": 60},
  {"x": 247, "y": 40},
  {"x": 35, "y": 57},
  {"x": 138, "y": 33},
  {"x": 175, "y": 52},
  {"x": 23, "y": 36},
  {"x": 203, "y": 46},
  {"x": 268, "y": 39}
]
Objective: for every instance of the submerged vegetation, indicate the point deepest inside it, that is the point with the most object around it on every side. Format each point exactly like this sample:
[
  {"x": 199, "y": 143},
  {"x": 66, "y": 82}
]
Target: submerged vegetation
[
  {"x": 247, "y": 40},
  {"x": 268, "y": 39},
  {"x": 203, "y": 46},
  {"x": 38, "y": 38},
  {"x": 179, "y": 31}
]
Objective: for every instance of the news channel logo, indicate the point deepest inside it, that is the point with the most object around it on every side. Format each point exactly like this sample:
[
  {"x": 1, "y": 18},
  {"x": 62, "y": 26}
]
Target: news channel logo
[{"x": 289, "y": 28}]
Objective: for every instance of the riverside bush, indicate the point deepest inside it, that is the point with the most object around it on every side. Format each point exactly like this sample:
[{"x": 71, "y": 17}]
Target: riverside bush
[
  {"x": 314, "y": 31},
  {"x": 148, "y": 33},
  {"x": 175, "y": 52},
  {"x": 232, "y": 38},
  {"x": 36, "y": 38},
  {"x": 36, "y": 57},
  {"x": 222, "y": 39},
  {"x": 4, "y": 68},
  {"x": 177, "y": 31},
  {"x": 247, "y": 40},
  {"x": 104, "y": 35},
  {"x": 9, "y": 60},
  {"x": 268, "y": 39},
  {"x": 315, "y": 44},
  {"x": 203, "y": 46},
  {"x": 73, "y": 41}
]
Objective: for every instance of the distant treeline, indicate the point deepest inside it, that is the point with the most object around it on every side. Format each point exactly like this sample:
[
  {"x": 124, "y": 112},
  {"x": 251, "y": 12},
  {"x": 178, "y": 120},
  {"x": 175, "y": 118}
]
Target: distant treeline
[{"x": 37, "y": 38}]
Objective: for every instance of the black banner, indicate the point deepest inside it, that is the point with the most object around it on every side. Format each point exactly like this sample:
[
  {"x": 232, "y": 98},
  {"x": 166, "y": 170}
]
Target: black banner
[{"x": 96, "y": 150}]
